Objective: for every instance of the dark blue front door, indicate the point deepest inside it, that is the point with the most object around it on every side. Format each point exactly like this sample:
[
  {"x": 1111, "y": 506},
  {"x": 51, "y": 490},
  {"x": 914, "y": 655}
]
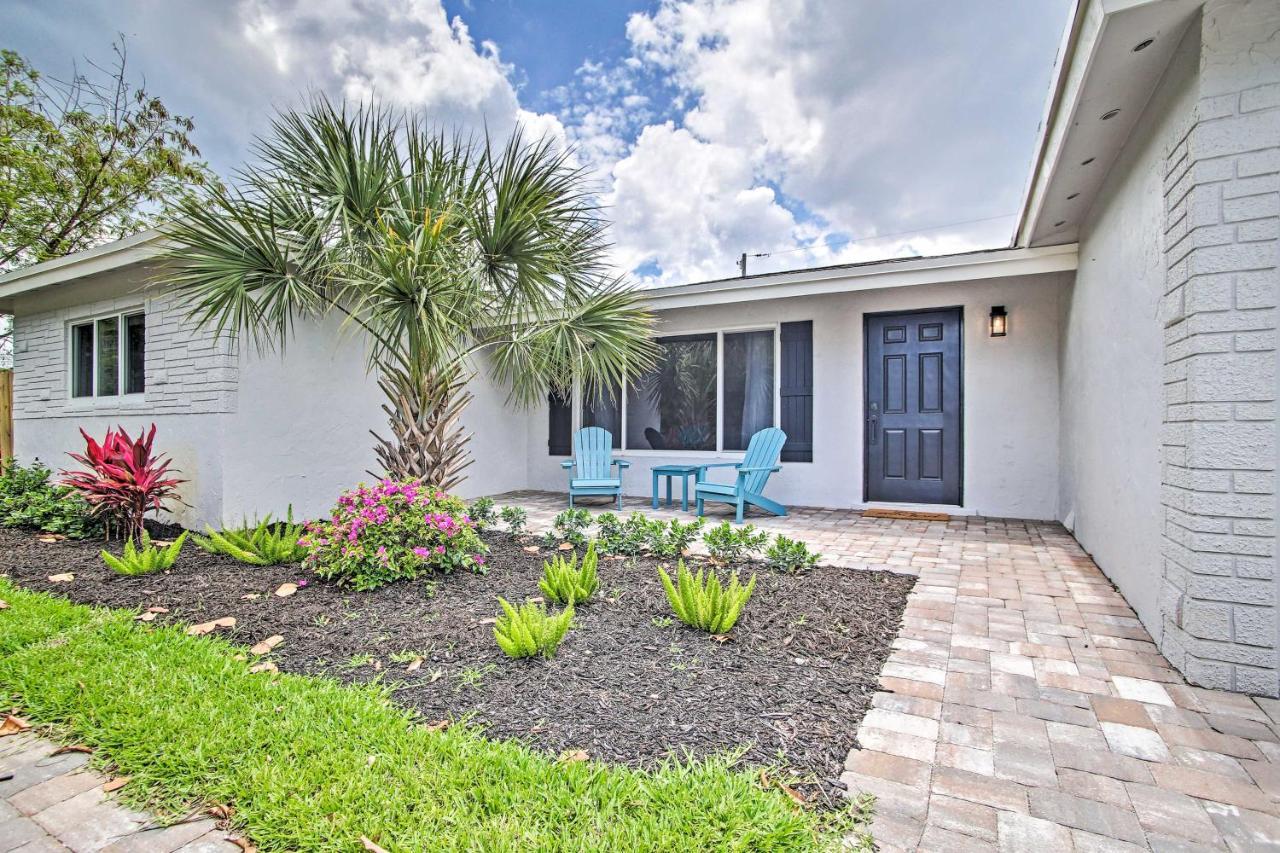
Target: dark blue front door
[{"x": 913, "y": 395}]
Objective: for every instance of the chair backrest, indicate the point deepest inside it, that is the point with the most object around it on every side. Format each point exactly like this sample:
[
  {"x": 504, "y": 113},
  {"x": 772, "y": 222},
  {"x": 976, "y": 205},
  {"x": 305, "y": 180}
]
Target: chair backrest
[
  {"x": 593, "y": 451},
  {"x": 763, "y": 452}
]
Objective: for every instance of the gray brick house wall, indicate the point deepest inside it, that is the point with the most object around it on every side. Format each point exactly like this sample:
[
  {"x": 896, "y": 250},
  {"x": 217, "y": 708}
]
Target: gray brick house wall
[
  {"x": 188, "y": 370},
  {"x": 1219, "y": 597}
]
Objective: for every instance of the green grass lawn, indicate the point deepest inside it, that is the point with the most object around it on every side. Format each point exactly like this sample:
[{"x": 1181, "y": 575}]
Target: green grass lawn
[{"x": 309, "y": 764}]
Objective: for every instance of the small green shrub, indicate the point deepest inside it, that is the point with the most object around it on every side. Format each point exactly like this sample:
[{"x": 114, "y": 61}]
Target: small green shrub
[
  {"x": 626, "y": 538},
  {"x": 706, "y": 604},
  {"x": 790, "y": 555},
  {"x": 482, "y": 513},
  {"x": 528, "y": 631},
  {"x": 728, "y": 544},
  {"x": 144, "y": 560},
  {"x": 515, "y": 518},
  {"x": 268, "y": 543},
  {"x": 674, "y": 538},
  {"x": 28, "y": 499},
  {"x": 568, "y": 527},
  {"x": 566, "y": 582}
]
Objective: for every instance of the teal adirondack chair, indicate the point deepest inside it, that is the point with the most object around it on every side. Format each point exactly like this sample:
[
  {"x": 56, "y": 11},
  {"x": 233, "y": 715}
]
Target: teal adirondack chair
[
  {"x": 593, "y": 457},
  {"x": 753, "y": 473}
]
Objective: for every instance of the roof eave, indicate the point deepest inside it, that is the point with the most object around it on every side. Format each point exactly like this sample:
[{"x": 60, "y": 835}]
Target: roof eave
[{"x": 134, "y": 249}]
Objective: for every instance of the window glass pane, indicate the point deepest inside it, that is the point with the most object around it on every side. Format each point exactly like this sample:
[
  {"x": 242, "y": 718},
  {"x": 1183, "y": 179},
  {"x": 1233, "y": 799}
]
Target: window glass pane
[
  {"x": 674, "y": 407},
  {"x": 82, "y": 360},
  {"x": 748, "y": 386},
  {"x": 605, "y": 411},
  {"x": 108, "y": 357},
  {"x": 135, "y": 345}
]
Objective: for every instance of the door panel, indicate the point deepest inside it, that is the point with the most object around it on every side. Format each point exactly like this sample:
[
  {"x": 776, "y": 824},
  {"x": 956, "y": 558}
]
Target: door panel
[{"x": 913, "y": 398}]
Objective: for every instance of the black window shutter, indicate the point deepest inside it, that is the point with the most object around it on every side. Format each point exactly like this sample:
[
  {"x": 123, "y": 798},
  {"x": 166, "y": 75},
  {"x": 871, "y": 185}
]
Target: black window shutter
[
  {"x": 560, "y": 426},
  {"x": 797, "y": 391}
]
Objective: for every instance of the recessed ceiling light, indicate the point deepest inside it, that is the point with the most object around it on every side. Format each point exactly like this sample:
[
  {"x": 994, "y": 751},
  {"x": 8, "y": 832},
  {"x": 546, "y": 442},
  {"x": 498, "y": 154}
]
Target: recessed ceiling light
[
  {"x": 1059, "y": 223},
  {"x": 1143, "y": 45},
  {"x": 1109, "y": 114},
  {"x": 1086, "y": 162},
  {"x": 1073, "y": 195}
]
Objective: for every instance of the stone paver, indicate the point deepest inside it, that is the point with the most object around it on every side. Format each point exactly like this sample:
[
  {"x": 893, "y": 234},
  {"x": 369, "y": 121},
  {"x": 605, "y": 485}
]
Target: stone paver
[
  {"x": 1023, "y": 706},
  {"x": 55, "y": 803}
]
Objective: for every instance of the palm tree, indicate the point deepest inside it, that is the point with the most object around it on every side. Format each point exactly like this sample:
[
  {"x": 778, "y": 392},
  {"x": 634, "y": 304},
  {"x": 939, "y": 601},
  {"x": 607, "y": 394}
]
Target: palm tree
[{"x": 450, "y": 256}]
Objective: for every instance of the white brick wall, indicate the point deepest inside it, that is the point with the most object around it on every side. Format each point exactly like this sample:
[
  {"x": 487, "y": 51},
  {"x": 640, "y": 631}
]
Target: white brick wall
[
  {"x": 1219, "y": 599},
  {"x": 188, "y": 370}
]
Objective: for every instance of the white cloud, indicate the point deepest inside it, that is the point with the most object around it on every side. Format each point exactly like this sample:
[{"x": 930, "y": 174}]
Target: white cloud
[
  {"x": 728, "y": 126},
  {"x": 866, "y": 118},
  {"x": 688, "y": 205}
]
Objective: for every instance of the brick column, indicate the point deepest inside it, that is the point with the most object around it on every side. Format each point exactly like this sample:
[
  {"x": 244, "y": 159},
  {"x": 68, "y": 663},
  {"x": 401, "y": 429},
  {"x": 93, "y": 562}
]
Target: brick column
[{"x": 1220, "y": 582}]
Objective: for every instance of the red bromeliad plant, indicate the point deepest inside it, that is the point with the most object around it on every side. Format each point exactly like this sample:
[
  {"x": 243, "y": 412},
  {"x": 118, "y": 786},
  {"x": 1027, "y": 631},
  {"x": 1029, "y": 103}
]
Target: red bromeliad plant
[{"x": 124, "y": 481}]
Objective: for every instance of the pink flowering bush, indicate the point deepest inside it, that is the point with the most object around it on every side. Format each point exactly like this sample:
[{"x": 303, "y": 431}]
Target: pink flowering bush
[{"x": 391, "y": 531}]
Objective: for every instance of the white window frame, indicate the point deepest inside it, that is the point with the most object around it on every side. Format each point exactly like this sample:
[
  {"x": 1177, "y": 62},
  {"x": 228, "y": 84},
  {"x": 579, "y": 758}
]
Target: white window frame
[
  {"x": 92, "y": 400},
  {"x": 719, "y": 452}
]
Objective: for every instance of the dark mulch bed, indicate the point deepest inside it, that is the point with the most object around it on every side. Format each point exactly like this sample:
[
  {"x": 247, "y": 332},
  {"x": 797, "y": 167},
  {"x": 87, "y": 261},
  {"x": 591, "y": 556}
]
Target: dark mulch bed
[{"x": 630, "y": 684}]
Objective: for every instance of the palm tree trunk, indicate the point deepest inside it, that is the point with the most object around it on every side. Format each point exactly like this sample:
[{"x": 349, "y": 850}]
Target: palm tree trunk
[{"x": 427, "y": 443}]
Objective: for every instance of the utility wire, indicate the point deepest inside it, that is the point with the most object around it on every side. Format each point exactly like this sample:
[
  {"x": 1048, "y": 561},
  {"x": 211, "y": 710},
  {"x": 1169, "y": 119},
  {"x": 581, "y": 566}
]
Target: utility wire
[{"x": 891, "y": 234}]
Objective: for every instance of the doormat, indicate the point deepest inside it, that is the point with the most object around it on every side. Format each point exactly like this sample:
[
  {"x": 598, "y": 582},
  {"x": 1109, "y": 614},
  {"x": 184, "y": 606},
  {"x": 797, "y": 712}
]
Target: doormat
[{"x": 905, "y": 515}]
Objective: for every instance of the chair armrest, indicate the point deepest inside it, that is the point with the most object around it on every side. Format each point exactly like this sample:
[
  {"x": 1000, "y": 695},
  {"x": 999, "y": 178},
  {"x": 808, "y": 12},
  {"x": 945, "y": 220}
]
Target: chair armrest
[
  {"x": 701, "y": 476},
  {"x": 566, "y": 464},
  {"x": 622, "y": 463},
  {"x": 743, "y": 473}
]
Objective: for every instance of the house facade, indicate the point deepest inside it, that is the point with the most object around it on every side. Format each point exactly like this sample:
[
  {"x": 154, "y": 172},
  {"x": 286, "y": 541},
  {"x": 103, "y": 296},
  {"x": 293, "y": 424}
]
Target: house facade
[{"x": 1114, "y": 369}]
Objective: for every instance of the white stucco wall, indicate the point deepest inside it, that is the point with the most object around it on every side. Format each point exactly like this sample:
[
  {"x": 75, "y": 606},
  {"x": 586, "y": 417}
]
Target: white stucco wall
[
  {"x": 190, "y": 384},
  {"x": 301, "y": 436},
  {"x": 1113, "y": 354},
  {"x": 1010, "y": 388},
  {"x": 252, "y": 433}
]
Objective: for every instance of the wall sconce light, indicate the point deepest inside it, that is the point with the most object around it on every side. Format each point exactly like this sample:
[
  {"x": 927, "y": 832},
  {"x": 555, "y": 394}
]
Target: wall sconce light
[{"x": 999, "y": 321}]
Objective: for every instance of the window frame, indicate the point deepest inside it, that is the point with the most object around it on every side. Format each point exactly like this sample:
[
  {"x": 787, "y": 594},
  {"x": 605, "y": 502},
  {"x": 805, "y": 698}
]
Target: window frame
[
  {"x": 719, "y": 452},
  {"x": 93, "y": 399}
]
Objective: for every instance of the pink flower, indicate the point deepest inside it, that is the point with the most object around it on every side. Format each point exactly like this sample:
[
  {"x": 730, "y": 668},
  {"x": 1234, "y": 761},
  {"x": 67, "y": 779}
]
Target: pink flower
[
  {"x": 423, "y": 553},
  {"x": 439, "y": 549},
  {"x": 479, "y": 561},
  {"x": 302, "y": 583}
]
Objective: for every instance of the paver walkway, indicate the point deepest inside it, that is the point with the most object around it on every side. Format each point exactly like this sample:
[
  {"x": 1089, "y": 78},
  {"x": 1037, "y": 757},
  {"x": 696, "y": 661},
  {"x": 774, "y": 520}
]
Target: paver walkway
[
  {"x": 1025, "y": 708},
  {"x": 55, "y": 803}
]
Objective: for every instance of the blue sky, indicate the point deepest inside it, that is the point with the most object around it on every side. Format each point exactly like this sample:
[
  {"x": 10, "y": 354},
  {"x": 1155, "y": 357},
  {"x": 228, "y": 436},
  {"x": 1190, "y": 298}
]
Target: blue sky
[{"x": 813, "y": 131}]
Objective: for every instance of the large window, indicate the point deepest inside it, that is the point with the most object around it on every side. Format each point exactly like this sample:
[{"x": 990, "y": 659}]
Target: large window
[
  {"x": 108, "y": 356},
  {"x": 709, "y": 392}
]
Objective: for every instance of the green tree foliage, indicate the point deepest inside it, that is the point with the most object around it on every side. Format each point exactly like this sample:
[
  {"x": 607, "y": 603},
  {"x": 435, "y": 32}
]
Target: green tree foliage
[
  {"x": 85, "y": 160},
  {"x": 434, "y": 249}
]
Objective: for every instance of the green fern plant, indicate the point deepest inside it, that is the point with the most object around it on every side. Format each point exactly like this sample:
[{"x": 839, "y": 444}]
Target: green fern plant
[
  {"x": 145, "y": 560},
  {"x": 703, "y": 602},
  {"x": 268, "y": 543},
  {"x": 528, "y": 631},
  {"x": 566, "y": 582}
]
